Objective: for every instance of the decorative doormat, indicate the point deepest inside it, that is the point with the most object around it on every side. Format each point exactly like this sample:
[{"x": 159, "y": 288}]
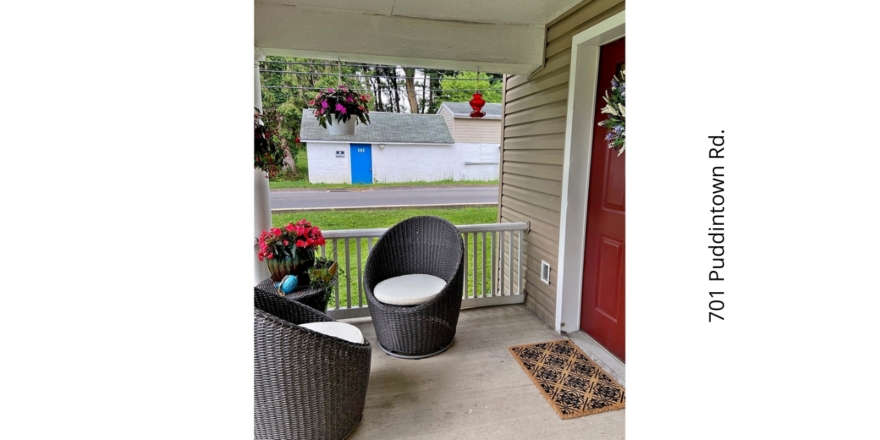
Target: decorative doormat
[{"x": 573, "y": 384}]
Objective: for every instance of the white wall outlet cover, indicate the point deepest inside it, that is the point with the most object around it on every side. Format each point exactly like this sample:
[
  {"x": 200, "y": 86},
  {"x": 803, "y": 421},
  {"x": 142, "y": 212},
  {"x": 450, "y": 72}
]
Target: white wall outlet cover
[{"x": 545, "y": 272}]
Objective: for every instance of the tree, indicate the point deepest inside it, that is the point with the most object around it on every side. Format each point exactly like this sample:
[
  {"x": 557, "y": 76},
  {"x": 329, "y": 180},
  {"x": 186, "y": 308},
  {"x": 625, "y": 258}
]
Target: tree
[
  {"x": 455, "y": 90},
  {"x": 411, "y": 89}
]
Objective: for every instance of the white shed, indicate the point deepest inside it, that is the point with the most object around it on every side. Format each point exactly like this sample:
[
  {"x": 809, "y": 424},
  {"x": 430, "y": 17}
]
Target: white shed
[{"x": 396, "y": 148}]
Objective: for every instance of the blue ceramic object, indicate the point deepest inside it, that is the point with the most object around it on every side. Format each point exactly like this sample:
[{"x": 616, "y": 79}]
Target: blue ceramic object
[{"x": 288, "y": 283}]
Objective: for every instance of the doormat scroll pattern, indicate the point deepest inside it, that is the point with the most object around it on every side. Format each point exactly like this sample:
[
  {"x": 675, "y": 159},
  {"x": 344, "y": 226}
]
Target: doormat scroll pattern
[{"x": 570, "y": 381}]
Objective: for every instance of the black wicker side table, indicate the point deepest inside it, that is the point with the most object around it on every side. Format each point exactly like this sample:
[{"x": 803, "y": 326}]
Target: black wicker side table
[{"x": 312, "y": 296}]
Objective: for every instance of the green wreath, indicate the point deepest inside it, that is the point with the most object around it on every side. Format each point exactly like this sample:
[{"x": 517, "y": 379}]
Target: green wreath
[{"x": 616, "y": 111}]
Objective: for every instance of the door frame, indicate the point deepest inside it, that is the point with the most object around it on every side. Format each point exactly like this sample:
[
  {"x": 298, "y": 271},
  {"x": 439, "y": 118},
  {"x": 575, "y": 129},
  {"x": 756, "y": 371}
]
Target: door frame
[{"x": 576, "y": 166}]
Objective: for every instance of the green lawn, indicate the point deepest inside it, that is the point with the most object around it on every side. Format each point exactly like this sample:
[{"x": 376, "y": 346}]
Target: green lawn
[
  {"x": 334, "y": 220},
  {"x": 302, "y": 179}
]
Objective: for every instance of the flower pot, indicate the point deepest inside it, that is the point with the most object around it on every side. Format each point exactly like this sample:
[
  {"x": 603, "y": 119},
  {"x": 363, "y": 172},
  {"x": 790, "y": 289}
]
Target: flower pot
[
  {"x": 298, "y": 265},
  {"x": 338, "y": 127},
  {"x": 326, "y": 274}
]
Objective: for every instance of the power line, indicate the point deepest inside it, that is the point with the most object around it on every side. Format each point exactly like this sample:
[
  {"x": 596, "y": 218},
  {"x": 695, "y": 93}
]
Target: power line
[
  {"x": 301, "y": 63},
  {"x": 372, "y": 90},
  {"x": 381, "y": 76}
]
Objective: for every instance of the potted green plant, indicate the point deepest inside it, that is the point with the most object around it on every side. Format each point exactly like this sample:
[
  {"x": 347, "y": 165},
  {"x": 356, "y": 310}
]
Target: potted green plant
[
  {"x": 341, "y": 109},
  {"x": 323, "y": 275},
  {"x": 290, "y": 250},
  {"x": 323, "y": 271}
]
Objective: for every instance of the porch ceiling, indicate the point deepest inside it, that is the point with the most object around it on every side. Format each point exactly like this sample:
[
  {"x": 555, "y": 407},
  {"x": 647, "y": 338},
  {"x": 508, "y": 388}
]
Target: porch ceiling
[{"x": 502, "y": 36}]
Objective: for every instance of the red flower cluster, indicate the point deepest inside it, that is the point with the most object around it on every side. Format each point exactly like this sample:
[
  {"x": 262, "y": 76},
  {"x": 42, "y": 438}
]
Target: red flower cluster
[{"x": 281, "y": 241}]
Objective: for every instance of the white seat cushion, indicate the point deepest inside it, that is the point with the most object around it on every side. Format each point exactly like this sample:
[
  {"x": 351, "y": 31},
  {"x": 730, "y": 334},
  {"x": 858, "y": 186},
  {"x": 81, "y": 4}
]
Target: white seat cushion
[
  {"x": 409, "y": 290},
  {"x": 339, "y": 330}
]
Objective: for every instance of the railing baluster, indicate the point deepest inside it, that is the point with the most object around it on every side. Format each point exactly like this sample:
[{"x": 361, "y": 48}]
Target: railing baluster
[
  {"x": 474, "y": 245},
  {"x": 501, "y": 265},
  {"x": 324, "y": 251},
  {"x": 360, "y": 279},
  {"x": 494, "y": 265},
  {"x": 510, "y": 263},
  {"x": 336, "y": 259},
  {"x": 519, "y": 278},
  {"x": 483, "y": 278},
  {"x": 464, "y": 293},
  {"x": 348, "y": 284}
]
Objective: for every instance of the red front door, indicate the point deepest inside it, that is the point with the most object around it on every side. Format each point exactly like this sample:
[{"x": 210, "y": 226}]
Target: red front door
[{"x": 603, "y": 304}]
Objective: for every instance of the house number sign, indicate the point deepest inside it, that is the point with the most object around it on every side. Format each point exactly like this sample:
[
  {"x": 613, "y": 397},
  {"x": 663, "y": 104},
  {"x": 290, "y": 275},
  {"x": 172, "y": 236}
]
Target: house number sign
[
  {"x": 340, "y": 153},
  {"x": 362, "y": 150}
]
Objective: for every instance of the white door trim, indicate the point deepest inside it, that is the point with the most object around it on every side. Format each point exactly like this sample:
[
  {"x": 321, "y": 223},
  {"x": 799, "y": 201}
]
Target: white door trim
[{"x": 579, "y": 125}]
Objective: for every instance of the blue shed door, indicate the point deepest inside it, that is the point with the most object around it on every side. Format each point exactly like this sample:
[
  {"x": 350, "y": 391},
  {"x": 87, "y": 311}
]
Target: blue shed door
[{"x": 361, "y": 163}]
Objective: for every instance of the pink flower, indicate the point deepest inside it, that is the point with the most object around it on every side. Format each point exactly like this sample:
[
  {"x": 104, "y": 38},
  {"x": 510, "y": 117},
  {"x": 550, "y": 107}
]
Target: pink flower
[
  {"x": 329, "y": 90},
  {"x": 271, "y": 255},
  {"x": 286, "y": 242},
  {"x": 349, "y": 98},
  {"x": 300, "y": 243},
  {"x": 340, "y": 108},
  {"x": 276, "y": 232},
  {"x": 312, "y": 102},
  {"x": 289, "y": 227},
  {"x": 324, "y": 104}
]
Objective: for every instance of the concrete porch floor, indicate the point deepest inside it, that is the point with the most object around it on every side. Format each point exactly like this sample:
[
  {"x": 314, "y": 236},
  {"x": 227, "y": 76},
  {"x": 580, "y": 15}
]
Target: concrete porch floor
[{"x": 475, "y": 390}]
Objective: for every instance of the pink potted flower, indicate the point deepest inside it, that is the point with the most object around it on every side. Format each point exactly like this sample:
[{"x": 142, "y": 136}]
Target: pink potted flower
[{"x": 339, "y": 109}]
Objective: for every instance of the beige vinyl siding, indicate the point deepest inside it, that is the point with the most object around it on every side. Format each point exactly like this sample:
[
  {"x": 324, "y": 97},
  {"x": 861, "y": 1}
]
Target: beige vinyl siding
[
  {"x": 450, "y": 120},
  {"x": 477, "y": 131},
  {"x": 532, "y": 150}
]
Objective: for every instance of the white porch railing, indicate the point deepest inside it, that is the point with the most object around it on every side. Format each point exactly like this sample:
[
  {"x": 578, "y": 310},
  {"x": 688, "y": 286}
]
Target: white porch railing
[{"x": 494, "y": 274}]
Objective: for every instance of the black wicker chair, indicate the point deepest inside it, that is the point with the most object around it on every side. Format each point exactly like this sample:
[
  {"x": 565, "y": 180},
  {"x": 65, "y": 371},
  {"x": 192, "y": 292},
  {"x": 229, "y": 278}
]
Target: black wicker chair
[
  {"x": 307, "y": 385},
  {"x": 418, "y": 245}
]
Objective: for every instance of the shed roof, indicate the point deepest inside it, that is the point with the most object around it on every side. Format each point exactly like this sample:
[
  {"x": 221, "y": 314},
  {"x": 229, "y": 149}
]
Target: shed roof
[
  {"x": 383, "y": 127},
  {"x": 463, "y": 110}
]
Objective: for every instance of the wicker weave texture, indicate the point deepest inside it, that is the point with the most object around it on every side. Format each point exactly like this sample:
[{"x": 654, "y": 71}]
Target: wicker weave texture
[
  {"x": 418, "y": 245},
  {"x": 307, "y": 385},
  {"x": 314, "y": 297}
]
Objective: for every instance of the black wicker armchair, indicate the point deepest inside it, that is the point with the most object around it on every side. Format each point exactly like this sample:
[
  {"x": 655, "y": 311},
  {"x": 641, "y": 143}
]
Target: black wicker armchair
[
  {"x": 418, "y": 245},
  {"x": 307, "y": 385}
]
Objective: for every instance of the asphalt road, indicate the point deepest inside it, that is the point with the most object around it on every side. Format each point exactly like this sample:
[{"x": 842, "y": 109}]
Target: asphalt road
[{"x": 382, "y": 196}]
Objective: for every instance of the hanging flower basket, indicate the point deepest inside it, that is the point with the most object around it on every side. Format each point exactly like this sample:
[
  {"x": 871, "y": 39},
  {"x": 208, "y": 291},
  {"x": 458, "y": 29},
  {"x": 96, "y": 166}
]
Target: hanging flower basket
[
  {"x": 268, "y": 153},
  {"x": 339, "y": 109},
  {"x": 616, "y": 111}
]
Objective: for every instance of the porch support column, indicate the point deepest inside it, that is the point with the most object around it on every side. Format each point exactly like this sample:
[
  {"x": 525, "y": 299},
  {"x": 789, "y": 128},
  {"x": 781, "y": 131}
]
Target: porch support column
[{"x": 262, "y": 208}]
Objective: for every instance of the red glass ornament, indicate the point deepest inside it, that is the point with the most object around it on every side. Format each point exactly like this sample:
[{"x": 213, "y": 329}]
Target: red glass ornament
[{"x": 477, "y": 104}]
